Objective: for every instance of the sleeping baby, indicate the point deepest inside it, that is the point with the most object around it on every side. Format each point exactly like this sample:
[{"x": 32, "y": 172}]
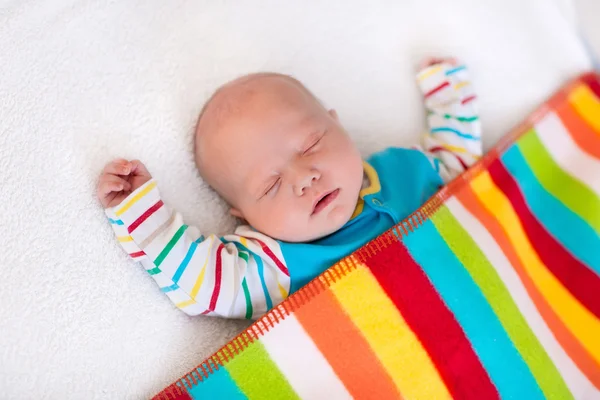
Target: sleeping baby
[{"x": 289, "y": 170}]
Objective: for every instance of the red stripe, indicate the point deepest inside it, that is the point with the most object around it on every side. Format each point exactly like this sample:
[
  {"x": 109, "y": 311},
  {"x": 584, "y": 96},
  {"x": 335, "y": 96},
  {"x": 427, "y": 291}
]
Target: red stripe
[
  {"x": 572, "y": 273},
  {"x": 430, "y": 319},
  {"x": 437, "y": 89},
  {"x": 593, "y": 82},
  {"x": 437, "y": 149},
  {"x": 268, "y": 252},
  {"x": 217, "y": 288},
  {"x": 468, "y": 99},
  {"x": 144, "y": 216},
  {"x": 461, "y": 161},
  {"x": 174, "y": 392},
  {"x": 138, "y": 254}
]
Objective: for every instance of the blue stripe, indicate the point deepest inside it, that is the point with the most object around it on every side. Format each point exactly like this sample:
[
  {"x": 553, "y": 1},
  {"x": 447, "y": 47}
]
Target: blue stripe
[
  {"x": 171, "y": 288},
  {"x": 219, "y": 385},
  {"x": 261, "y": 274},
  {"x": 455, "y": 70},
  {"x": 462, "y": 296},
  {"x": 559, "y": 220},
  {"x": 115, "y": 222},
  {"x": 456, "y": 132},
  {"x": 186, "y": 259},
  {"x": 436, "y": 163}
]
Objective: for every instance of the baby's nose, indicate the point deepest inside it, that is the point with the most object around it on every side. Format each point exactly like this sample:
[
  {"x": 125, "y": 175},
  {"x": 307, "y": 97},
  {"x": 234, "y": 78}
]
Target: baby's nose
[{"x": 306, "y": 180}]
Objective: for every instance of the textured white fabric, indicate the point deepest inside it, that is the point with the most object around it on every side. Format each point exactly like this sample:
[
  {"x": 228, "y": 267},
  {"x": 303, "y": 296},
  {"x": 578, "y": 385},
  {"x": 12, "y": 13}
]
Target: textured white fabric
[
  {"x": 588, "y": 16},
  {"x": 84, "y": 81}
]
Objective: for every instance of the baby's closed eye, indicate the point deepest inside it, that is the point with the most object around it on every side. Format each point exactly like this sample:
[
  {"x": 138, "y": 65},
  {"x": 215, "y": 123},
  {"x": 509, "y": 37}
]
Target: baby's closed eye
[
  {"x": 272, "y": 187},
  {"x": 313, "y": 141}
]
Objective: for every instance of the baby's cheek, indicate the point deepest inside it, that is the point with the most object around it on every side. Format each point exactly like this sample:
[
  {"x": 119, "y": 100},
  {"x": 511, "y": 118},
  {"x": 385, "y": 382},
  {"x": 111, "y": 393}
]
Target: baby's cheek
[{"x": 276, "y": 219}]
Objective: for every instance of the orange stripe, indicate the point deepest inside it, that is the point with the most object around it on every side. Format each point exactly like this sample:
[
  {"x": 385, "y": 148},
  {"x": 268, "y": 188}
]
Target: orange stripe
[
  {"x": 571, "y": 345},
  {"x": 351, "y": 357},
  {"x": 580, "y": 131}
]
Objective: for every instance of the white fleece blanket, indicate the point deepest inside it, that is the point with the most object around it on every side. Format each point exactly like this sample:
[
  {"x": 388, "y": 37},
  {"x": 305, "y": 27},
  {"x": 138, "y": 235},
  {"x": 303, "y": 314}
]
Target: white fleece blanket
[{"x": 82, "y": 82}]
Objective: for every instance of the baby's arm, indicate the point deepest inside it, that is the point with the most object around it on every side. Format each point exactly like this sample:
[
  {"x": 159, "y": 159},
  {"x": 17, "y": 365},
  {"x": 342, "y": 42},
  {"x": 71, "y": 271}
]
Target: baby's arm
[
  {"x": 453, "y": 142},
  {"x": 236, "y": 276}
]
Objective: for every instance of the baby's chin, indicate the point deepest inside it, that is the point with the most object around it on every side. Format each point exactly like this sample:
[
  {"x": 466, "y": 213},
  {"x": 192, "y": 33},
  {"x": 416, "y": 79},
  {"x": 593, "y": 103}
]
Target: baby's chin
[{"x": 317, "y": 229}]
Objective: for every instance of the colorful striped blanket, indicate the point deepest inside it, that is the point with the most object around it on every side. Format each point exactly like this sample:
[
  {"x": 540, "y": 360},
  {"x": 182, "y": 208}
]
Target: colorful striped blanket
[{"x": 490, "y": 290}]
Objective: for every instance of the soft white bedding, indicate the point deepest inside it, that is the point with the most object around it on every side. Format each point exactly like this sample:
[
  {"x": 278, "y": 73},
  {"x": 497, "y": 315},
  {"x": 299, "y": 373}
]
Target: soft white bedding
[{"x": 84, "y": 81}]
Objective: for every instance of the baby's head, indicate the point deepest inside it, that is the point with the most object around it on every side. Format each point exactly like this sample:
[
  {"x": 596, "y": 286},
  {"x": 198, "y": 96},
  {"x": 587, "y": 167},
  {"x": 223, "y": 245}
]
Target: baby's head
[{"x": 281, "y": 160}]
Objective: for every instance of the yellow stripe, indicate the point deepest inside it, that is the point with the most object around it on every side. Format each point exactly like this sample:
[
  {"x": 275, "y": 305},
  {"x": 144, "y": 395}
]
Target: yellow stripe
[
  {"x": 455, "y": 149},
  {"x": 199, "y": 281},
  {"x": 578, "y": 319},
  {"x": 378, "y": 320},
  {"x": 359, "y": 207},
  {"x": 186, "y": 303},
  {"x": 427, "y": 73},
  {"x": 124, "y": 239},
  {"x": 136, "y": 198},
  {"x": 458, "y": 149},
  {"x": 461, "y": 85},
  {"x": 374, "y": 185},
  {"x": 244, "y": 242},
  {"x": 587, "y": 105},
  {"x": 282, "y": 290}
]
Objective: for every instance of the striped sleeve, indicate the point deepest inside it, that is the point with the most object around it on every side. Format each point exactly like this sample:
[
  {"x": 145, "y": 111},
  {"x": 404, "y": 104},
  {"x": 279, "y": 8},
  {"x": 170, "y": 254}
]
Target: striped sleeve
[
  {"x": 241, "y": 275},
  {"x": 453, "y": 142}
]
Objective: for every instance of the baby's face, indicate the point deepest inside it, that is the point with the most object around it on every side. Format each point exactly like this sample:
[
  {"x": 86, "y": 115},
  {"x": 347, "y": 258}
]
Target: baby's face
[{"x": 286, "y": 164}]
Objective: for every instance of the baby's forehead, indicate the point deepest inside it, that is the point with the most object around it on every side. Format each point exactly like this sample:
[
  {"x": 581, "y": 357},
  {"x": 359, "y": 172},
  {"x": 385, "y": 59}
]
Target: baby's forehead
[
  {"x": 249, "y": 92},
  {"x": 235, "y": 107},
  {"x": 250, "y": 100}
]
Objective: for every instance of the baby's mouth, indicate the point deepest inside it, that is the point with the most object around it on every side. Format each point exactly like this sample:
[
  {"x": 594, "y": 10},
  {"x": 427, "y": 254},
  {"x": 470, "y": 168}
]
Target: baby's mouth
[{"x": 324, "y": 201}]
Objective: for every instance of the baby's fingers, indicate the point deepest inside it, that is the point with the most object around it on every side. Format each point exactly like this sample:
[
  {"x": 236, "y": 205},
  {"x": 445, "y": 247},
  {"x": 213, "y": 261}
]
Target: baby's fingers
[
  {"x": 118, "y": 167},
  {"x": 431, "y": 61},
  {"x": 112, "y": 183},
  {"x": 138, "y": 168}
]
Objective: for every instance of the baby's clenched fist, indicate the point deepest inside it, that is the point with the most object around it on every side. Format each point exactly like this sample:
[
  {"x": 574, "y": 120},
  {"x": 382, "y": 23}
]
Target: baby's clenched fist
[{"x": 118, "y": 179}]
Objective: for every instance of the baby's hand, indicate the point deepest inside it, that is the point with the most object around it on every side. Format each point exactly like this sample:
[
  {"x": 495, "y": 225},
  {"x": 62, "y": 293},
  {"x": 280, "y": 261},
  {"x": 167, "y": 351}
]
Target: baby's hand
[
  {"x": 118, "y": 179},
  {"x": 431, "y": 61}
]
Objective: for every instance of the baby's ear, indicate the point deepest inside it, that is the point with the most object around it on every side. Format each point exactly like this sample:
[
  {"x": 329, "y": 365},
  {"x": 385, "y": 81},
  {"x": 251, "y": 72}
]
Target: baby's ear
[
  {"x": 334, "y": 114},
  {"x": 236, "y": 213}
]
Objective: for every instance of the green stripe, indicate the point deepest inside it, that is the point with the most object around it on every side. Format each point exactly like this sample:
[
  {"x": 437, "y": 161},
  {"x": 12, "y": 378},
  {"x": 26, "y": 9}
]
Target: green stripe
[
  {"x": 566, "y": 188},
  {"x": 163, "y": 254},
  {"x": 257, "y": 376},
  {"x": 248, "y": 300},
  {"x": 154, "y": 271},
  {"x": 461, "y": 119},
  {"x": 243, "y": 254},
  {"x": 485, "y": 276}
]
